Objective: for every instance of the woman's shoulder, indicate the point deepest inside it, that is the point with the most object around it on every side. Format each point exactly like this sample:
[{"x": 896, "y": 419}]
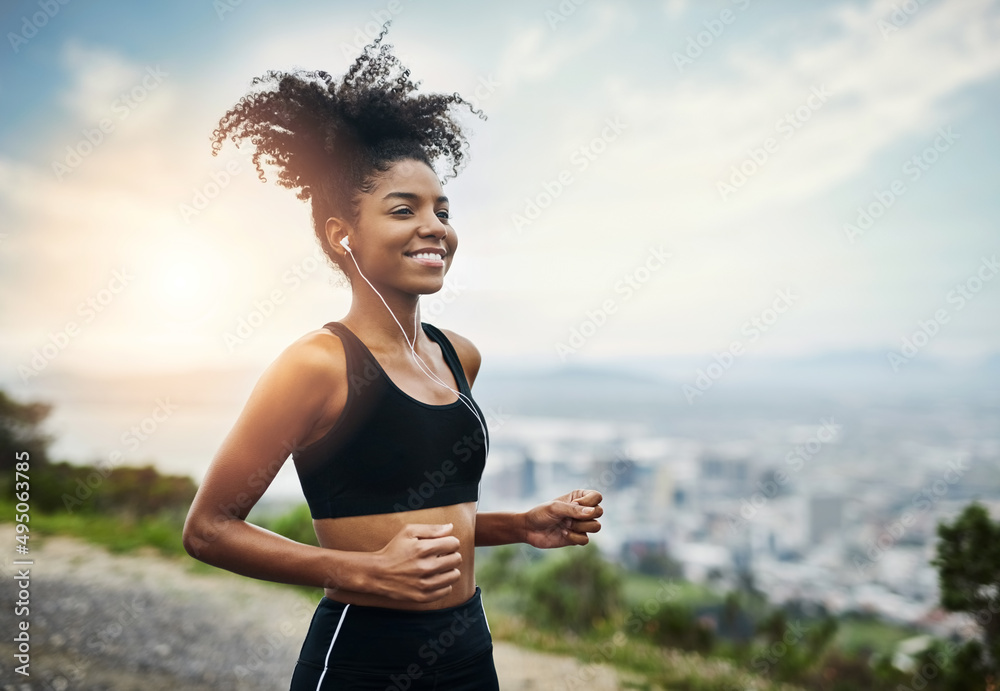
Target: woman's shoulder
[
  {"x": 468, "y": 353},
  {"x": 316, "y": 357},
  {"x": 300, "y": 389}
]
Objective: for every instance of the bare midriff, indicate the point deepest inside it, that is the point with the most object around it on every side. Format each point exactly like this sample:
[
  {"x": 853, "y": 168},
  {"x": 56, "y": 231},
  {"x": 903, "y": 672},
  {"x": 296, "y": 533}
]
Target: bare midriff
[{"x": 372, "y": 533}]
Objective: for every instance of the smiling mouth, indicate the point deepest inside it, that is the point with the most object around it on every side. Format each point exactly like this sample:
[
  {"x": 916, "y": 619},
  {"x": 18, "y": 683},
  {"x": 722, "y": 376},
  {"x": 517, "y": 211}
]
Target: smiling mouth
[{"x": 428, "y": 258}]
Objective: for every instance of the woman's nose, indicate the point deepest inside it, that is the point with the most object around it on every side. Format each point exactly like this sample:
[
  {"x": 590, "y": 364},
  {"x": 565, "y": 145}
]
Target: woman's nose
[{"x": 434, "y": 227}]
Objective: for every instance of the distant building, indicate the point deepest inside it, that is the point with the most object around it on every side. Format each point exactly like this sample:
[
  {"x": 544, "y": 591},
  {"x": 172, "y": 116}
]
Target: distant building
[
  {"x": 722, "y": 476},
  {"x": 528, "y": 483},
  {"x": 826, "y": 517}
]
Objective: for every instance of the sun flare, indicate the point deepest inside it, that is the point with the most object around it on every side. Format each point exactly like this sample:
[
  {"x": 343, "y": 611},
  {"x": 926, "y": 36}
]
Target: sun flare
[{"x": 187, "y": 279}]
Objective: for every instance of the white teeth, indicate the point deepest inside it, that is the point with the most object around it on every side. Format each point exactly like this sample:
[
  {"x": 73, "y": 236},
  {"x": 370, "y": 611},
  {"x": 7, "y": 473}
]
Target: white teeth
[{"x": 426, "y": 255}]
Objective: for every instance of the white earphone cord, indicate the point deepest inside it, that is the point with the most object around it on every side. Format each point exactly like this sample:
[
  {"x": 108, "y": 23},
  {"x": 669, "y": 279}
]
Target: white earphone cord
[{"x": 423, "y": 366}]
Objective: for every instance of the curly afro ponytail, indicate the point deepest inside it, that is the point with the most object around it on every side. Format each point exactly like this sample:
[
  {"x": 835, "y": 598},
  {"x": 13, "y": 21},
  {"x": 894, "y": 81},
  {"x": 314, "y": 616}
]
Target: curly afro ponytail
[{"x": 330, "y": 139}]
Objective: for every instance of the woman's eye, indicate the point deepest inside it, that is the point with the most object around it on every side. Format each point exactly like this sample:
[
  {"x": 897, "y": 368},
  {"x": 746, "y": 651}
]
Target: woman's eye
[{"x": 444, "y": 214}]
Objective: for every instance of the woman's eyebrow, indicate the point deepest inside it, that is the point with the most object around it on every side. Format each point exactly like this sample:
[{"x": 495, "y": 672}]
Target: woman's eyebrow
[{"x": 412, "y": 196}]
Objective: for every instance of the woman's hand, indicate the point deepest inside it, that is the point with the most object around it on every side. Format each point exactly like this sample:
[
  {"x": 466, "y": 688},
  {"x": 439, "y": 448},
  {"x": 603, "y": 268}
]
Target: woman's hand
[
  {"x": 565, "y": 520},
  {"x": 420, "y": 563}
]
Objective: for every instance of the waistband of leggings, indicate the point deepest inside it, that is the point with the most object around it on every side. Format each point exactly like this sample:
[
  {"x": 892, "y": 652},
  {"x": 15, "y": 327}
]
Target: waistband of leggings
[
  {"x": 422, "y": 615},
  {"x": 437, "y": 638}
]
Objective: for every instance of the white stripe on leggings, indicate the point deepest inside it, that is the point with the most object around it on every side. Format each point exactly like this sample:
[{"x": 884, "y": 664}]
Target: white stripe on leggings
[
  {"x": 326, "y": 663},
  {"x": 484, "y": 615}
]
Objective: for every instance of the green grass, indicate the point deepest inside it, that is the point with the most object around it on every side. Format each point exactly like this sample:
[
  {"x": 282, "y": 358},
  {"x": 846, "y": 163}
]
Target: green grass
[
  {"x": 639, "y": 588},
  {"x": 642, "y": 665},
  {"x": 121, "y": 535},
  {"x": 856, "y": 634},
  {"x": 116, "y": 533}
]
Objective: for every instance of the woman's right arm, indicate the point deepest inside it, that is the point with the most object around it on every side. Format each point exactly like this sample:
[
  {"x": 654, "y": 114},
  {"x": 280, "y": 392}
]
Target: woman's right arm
[
  {"x": 289, "y": 399},
  {"x": 283, "y": 407}
]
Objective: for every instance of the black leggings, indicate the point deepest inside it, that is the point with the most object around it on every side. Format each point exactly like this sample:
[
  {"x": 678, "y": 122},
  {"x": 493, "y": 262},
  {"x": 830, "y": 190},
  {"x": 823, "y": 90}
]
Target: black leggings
[{"x": 355, "y": 647}]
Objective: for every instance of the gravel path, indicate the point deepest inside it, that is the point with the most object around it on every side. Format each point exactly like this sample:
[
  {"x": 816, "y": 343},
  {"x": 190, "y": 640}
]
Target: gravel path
[{"x": 106, "y": 622}]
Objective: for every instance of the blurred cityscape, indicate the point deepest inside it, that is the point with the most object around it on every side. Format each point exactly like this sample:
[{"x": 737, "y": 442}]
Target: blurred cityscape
[{"x": 829, "y": 497}]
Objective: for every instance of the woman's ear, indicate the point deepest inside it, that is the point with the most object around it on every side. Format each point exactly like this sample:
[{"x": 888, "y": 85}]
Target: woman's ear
[{"x": 337, "y": 231}]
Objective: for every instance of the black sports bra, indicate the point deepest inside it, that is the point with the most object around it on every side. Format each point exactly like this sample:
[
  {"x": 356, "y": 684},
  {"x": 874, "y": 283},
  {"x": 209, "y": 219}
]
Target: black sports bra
[{"x": 389, "y": 452}]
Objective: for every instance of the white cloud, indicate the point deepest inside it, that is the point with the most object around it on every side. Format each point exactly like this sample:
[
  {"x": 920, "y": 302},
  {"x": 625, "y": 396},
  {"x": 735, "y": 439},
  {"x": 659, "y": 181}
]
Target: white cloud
[
  {"x": 97, "y": 77},
  {"x": 539, "y": 51},
  {"x": 657, "y": 183},
  {"x": 884, "y": 90},
  {"x": 675, "y": 8}
]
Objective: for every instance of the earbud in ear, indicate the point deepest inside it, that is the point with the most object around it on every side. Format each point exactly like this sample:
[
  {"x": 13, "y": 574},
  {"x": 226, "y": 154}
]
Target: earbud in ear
[{"x": 345, "y": 244}]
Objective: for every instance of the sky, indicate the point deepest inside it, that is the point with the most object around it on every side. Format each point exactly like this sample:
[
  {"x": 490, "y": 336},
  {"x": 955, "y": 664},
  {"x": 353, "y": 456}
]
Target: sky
[{"x": 653, "y": 179}]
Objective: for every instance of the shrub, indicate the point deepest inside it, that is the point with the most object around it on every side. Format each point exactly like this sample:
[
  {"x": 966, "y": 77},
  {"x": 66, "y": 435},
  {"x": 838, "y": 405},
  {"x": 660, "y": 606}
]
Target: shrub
[{"x": 576, "y": 590}]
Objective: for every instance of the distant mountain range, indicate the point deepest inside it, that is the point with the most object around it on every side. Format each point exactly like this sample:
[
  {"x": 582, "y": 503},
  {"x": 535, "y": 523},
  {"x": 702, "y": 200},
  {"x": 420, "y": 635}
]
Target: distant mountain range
[
  {"x": 93, "y": 414},
  {"x": 610, "y": 388}
]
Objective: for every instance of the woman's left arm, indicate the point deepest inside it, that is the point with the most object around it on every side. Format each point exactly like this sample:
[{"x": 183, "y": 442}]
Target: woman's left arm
[
  {"x": 564, "y": 521},
  {"x": 499, "y": 528},
  {"x": 561, "y": 522}
]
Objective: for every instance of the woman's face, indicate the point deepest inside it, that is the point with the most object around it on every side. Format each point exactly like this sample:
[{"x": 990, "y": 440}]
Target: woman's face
[{"x": 404, "y": 239}]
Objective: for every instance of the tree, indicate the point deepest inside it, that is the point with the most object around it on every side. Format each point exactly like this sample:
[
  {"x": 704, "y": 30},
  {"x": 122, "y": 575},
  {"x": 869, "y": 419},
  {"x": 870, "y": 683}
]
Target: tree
[
  {"x": 968, "y": 563},
  {"x": 21, "y": 430},
  {"x": 61, "y": 486},
  {"x": 296, "y": 525},
  {"x": 676, "y": 625},
  {"x": 575, "y": 590}
]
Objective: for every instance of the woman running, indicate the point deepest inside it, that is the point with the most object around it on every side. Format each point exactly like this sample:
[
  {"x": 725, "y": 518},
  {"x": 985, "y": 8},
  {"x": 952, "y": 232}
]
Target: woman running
[{"x": 375, "y": 409}]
